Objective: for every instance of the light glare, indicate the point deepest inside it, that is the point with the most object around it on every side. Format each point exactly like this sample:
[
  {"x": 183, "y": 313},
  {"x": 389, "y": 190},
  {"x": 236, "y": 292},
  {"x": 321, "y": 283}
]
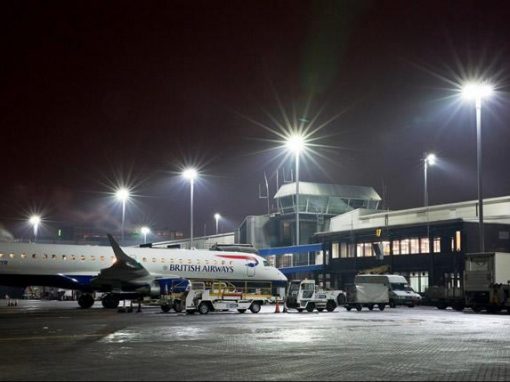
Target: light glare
[
  {"x": 431, "y": 159},
  {"x": 475, "y": 90},
  {"x": 190, "y": 174},
  {"x": 145, "y": 230},
  {"x": 35, "y": 220},
  {"x": 122, "y": 194},
  {"x": 296, "y": 143}
]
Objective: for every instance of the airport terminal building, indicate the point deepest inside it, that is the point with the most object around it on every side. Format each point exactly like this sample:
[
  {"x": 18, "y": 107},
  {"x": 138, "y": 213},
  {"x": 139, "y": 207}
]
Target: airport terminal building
[
  {"x": 343, "y": 229},
  {"x": 426, "y": 245}
]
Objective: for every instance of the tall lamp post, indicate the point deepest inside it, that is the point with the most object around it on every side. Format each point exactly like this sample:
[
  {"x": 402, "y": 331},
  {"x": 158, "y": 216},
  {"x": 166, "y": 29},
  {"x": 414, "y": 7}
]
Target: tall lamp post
[
  {"x": 428, "y": 160},
  {"x": 35, "y": 220},
  {"x": 296, "y": 144},
  {"x": 477, "y": 92},
  {"x": 217, "y": 217},
  {"x": 190, "y": 174},
  {"x": 122, "y": 195},
  {"x": 145, "y": 231}
]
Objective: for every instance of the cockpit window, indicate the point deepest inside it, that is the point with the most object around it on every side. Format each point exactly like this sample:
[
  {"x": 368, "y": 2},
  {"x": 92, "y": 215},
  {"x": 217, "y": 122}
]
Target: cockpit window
[{"x": 266, "y": 263}]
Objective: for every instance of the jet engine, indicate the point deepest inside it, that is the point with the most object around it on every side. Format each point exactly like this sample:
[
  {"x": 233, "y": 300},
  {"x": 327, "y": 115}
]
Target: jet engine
[{"x": 152, "y": 290}]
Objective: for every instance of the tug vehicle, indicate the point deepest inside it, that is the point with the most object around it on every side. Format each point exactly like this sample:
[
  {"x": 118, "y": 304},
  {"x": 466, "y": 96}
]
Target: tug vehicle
[{"x": 304, "y": 294}]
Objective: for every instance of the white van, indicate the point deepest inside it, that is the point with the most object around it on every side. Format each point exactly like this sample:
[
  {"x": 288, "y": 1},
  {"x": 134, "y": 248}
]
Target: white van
[{"x": 399, "y": 290}]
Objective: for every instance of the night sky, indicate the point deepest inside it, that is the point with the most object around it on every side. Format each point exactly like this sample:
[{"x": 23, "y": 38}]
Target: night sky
[{"x": 95, "y": 93}]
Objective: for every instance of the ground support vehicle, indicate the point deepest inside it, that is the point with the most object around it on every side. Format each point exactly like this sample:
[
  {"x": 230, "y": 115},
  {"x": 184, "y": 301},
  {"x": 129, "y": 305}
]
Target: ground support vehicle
[
  {"x": 171, "y": 301},
  {"x": 442, "y": 297},
  {"x": 486, "y": 285},
  {"x": 400, "y": 293},
  {"x": 305, "y": 294},
  {"x": 367, "y": 295},
  {"x": 487, "y": 281},
  {"x": 174, "y": 297},
  {"x": 202, "y": 300}
]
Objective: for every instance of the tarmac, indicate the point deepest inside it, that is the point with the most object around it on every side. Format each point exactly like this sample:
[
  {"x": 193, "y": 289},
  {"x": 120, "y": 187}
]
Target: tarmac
[{"x": 55, "y": 340}]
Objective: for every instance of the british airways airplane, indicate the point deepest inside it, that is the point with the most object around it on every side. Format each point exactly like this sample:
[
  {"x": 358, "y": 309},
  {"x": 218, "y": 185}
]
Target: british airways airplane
[{"x": 124, "y": 272}]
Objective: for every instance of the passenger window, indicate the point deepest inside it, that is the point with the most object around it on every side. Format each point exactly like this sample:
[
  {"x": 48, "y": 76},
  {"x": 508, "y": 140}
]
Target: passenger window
[
  {"x": 54, "y": 257},
  {"x": 23, "y": 255},
  {"x": 33, "y": 255},
  {"x": 93, "y": 258},
  {"x": 1, "y": 255},
  {"x": 73, "y": 257},
  {"x": 153, "y": 259},
  {"x": 64, "y": 257},
  {"x": 12, "y": 255},
  {"x": 144, "y": 259},
  {"x": 82, "y": 258},
  {"x": 102, "y": 258},
  {"x": 163, "y": 260},
  {"x": 45, "y": 256}
]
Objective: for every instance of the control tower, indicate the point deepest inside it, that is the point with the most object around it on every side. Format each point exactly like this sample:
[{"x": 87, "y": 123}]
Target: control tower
[{"x": 318, "y": 202}]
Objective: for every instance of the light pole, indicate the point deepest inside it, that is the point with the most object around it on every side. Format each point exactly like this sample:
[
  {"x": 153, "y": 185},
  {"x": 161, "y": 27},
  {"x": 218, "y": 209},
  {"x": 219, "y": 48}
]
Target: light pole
[
  {"x": 296, "y": 144},
  {"x": 35, "y": 220},
  {"x": 478, "y": 91},
  {"x": 428, "y": 160},
  {"x": 145, "y": 231},
  {"x": 122, "y": 195},
  {"x": 190, "y": 174},
  {"x": 217, "y": 217}
]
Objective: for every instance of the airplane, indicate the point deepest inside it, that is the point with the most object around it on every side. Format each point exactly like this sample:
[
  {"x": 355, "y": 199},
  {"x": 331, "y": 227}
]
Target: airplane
[{"x": 126, "y": 273}]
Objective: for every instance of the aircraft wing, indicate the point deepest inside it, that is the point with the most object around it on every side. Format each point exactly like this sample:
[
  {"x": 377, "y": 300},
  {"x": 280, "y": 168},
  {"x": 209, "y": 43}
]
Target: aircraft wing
[{"x": 128, "y": 274}]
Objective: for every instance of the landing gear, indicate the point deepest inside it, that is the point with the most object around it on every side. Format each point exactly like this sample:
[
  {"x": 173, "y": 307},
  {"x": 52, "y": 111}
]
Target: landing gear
[
  {"x": 110, "y": 301},
  {"x": 85, "y": 301},
  {"x": 310, "y": 307}
]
